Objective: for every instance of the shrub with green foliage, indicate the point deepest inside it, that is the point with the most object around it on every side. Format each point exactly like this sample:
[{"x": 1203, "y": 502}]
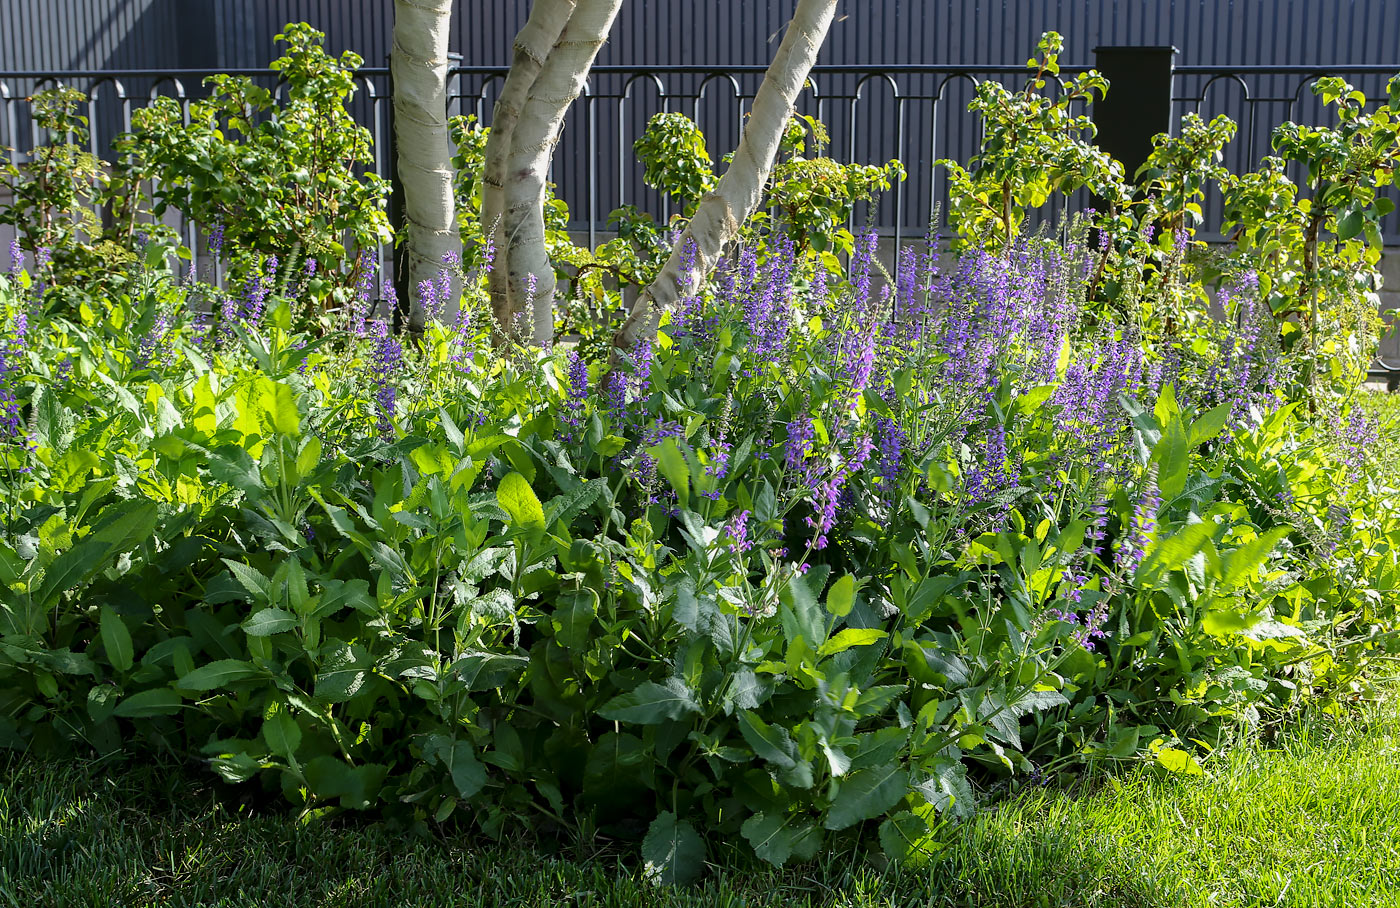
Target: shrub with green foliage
[
  {"x": 844, "y": 549},
  {"x": 814, "y": 564}
]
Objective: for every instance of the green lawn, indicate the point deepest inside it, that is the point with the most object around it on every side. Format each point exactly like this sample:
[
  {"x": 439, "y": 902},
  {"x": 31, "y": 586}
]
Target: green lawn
[{"x": 1313, "y": 820}]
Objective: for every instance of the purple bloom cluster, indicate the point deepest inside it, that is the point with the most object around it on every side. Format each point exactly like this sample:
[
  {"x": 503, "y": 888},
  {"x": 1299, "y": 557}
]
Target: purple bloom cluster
[
  {"x": 153, "y": 341},
  {"x": 360, "y": 304},
  {"x": 1144, "y": 525},
  {"x": 738, "y": 532},
  {"x": 385, "y": 361},
  {"x": 1357, "y": 433},
  {"x": 577, "y": 398},
  {"x": 826, "y": 492}
]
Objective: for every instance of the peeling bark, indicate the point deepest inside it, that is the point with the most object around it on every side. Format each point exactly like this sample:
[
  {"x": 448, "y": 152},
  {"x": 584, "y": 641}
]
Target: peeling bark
[
  {"x": 532, "y": 145},
  {"x": 532, "y": 47},
  {"x": 723, "y": 211},
  {"x": 419, "y": 66}
]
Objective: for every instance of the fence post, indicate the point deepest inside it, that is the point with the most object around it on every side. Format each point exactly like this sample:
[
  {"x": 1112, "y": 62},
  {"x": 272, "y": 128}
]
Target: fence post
[{"x": 1138, "y": 105}]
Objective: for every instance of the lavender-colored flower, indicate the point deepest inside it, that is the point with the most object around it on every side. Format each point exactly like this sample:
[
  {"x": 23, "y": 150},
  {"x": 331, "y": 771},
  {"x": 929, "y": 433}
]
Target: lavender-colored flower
[
  {"x": 1144, "y": 525},
  {"x": 642, "y": 360},
  {"x": 385, "y": 361},
  {"x": 826, "y": 492},
  {"x": 256, "y": 292},
  {"x": 577, "y": 397},
  {"x": 216, "y": 241},
  {"x": 360, "y": 304},
  {"x": 429, "y": 299},
  {"x": 152, "y": 341},
  {"x": 799, "y": 441},
  {"x": 890, "y": 440},
  {"x": 738, "y": 531}
]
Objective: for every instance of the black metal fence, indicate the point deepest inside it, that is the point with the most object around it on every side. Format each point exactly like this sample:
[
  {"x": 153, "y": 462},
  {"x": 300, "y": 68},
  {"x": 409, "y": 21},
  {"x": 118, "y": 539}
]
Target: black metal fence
[
  {"x": 917, "y": 114},
  {"x": 914, "y": 113}
]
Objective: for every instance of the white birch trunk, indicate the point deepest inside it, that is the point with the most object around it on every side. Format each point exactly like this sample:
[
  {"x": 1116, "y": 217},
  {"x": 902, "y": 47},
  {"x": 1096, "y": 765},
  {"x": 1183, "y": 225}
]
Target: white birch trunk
[
  {"x": 723, "y": 210},
  {"x": 532, "y": 145},
  {"x": 532, "y": 47},
  {"x": 419, "y": 69}
]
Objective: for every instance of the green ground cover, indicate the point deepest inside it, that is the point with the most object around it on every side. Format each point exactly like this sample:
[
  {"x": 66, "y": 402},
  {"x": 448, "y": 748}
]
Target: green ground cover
[
  {"x": 1308, "y": 816},
  {"x": 1311, "y": 818}
]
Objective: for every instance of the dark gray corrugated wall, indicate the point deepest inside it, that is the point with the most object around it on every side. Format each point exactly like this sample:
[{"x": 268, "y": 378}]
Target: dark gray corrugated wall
[{"x": 129, "y": 34}]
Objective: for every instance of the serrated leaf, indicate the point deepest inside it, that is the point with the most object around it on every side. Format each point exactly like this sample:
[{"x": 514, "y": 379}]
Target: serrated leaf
[
  {"x": 1173, "y": 456},
  {"x": 153, "y": 703},
  {"x": 517, "y": 499},
  {"x": 775, "y": 838},
  {"x": 269, "y": 621},
  {"x": 651, "y": 703},
  {"x": 250, "y": 578},
  {"x": 850, "y": 637},
  {"x": 867, "y": 793},
  {"x": 674, "y": 853},
  {"x": 771, "y": 742},
  {"x": 578, "y": 499},
  {"x": 1245, "y": 560}
]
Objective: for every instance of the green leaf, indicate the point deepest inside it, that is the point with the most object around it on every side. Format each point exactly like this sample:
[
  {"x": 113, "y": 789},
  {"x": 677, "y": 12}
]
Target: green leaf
[
  {"x": 282, "y": 734},
  {"x": 116, "y": 640},
  {"x": 481, "y": 670},
  {"x": 673, "y": 466},
  {"x": 948, "y": 790},
  {"x": 342, "y": 674},
  {"x": 217, "y": 674},
  {"x": 1179, "y": 762},
  {"x": 906, "y": 839},
  {"x": 576, "y": 500},
  {"x": 651, "y": 703},
  {"x": 867, "y": 793},
  {"x": 674, "y": 853},
  {"x": 459, "y": 757},
  {"x": 770, "y": 742},
  {"x": 1245, "y": 560},
  {"x": 1209, "y": 424},
  {"x": 517, "y": 499},
  {"x": 1173, "y": 456},
  {"x": 842, "y": 596},
  {"x": 119, "y": 529},
  {"x": 1224, "y": 622},
  {"x": 250, "y": 579},
  {"x": 1349, "y": 225},
  {"x": 158, "y": 702},
  {"x": 850, "y": 637},
  {"x": 775, "y": 839},
  {"x": 355, "y": 786},
  {"x": 269, "y": 621},
  {"x": 266, "y": 408},
  {"x": 800, "y": 614}
]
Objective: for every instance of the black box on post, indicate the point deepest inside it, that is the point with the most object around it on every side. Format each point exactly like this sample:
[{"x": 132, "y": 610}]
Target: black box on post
[{"x": 1138, "y": 105}]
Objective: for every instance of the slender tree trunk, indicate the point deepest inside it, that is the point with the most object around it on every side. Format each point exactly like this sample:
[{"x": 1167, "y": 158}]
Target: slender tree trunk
[
  {"x": 529, "y": 271},
  {"x": 419, "y": 69},
  {"x": 532, "y": 47},
  {"x": 722, "y": 211}
]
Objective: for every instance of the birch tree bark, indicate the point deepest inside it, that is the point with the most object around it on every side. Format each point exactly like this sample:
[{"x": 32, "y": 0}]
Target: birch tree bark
[
  {"x": 532, "y": 46},
  {"x": 723, "y": 210},
  {"x": 530, "y": 275},
  {"x": 418, "y": 66}
]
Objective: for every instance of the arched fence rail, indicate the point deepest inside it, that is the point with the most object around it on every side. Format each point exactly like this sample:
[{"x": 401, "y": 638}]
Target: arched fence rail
[{"x": 915, "y": 113}]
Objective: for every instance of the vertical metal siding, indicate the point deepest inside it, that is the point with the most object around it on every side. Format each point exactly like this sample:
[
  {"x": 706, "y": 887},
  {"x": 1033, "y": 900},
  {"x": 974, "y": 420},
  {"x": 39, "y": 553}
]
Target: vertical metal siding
[{"x": 116, "y": 34}]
